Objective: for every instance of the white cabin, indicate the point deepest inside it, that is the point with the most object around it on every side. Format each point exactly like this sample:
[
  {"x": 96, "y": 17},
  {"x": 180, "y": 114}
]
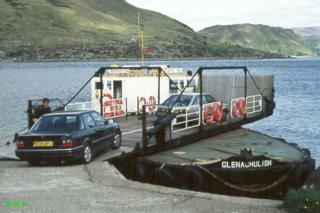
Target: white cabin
[{"x": 125, "y": 91}]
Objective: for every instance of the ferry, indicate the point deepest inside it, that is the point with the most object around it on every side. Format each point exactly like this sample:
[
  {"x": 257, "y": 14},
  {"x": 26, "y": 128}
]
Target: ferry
[{"x": 206, "y": 153}]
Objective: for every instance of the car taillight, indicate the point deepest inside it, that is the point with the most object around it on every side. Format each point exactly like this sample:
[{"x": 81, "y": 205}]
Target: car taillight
[
  {"x": 68, "y": 143},
  {"x": 20, "y": 144}
]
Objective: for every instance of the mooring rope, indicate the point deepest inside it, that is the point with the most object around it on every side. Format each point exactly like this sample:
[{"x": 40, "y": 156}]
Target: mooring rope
[{"x": 265, "y": 188}]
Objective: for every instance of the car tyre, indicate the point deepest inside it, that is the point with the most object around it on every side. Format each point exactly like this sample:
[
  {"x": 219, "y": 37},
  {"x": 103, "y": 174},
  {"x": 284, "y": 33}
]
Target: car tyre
[
  {"x": 87, "y": 154},
  {"x": 117, "y": 141}
]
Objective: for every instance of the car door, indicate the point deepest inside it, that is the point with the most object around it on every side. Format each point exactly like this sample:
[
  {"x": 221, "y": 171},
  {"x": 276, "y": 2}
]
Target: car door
[
  {"x": 105, "y": 133},
  {"x": 92, "y": 130}
]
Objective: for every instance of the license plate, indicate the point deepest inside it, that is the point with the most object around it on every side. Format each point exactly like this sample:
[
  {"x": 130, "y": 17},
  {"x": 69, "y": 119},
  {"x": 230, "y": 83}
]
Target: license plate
[{"x": 42, "y": 143}]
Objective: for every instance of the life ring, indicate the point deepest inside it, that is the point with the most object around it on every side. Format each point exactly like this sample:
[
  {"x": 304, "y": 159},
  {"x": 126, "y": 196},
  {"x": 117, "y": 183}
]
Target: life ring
[
  {"x": 235, "y": 108},
  {"x": 152, "y": 103},
  {"x": 108, "y": 103},
  {"x": 206, "y": 114},
  {"x": 242, "y": 106},
  {"x": 216, "y": 113},
  {"x": 142, "y": 101}
]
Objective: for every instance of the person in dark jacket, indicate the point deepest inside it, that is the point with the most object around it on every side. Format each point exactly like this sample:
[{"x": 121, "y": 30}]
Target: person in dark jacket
[{"x": 41, "y": 109}]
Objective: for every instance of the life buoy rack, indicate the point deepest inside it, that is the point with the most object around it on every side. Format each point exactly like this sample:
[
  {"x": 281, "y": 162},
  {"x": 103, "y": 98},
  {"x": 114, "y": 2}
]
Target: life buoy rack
[{"x": 216, "y": 113}]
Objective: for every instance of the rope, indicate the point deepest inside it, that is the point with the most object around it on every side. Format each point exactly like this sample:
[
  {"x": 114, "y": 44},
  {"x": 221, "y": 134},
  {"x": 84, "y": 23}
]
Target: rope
[
  {"x": 77, "y": 93},
  {"x": 255, "y": 83},
  {"x": 265, "y": 188}
]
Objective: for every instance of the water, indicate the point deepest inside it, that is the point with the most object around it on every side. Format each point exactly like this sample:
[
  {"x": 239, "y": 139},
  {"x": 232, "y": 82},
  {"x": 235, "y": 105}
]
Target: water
[{"x": 297, "y": 84}]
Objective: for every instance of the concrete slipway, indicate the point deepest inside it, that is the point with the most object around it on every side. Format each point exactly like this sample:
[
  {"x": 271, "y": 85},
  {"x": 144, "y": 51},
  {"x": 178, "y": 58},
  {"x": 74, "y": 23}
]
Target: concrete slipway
[{"x": 98, "y": 187}]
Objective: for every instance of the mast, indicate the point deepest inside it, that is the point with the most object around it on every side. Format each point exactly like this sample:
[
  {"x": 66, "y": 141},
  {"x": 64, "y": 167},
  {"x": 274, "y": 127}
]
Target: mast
[{"x": 141, "y": 33}]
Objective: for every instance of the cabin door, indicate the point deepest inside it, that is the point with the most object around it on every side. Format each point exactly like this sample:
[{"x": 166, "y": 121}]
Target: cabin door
[{"x": 117, "y": 89}]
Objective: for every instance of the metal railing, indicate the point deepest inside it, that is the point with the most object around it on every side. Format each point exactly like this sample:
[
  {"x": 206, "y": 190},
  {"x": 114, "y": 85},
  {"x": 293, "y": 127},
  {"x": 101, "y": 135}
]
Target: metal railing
[
  {"x": 81, "y": 106},
  {"x": 253, "y": 104},
  {"x": 187, "y": 118},
  {"x": 112, "y": 108},
  {"x": 244, "y": 106},
  {"x": 115, "y": 108}
]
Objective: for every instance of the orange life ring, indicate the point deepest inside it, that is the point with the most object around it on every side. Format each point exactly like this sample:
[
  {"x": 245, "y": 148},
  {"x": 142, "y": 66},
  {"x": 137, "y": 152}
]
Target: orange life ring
[
  {"x": 152, "y": 103},
  {"x": 108, "y": 103},
  {"x": 238, "y": 107},
  {"x": 206, "y": 114},
  {"x": 217, "y": 112},
  {"x": 242, "y": 106}
]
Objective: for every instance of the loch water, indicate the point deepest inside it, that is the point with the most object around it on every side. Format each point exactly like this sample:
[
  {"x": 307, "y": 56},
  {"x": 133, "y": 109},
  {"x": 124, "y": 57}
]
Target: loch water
[{"x": 297, "y": 85}]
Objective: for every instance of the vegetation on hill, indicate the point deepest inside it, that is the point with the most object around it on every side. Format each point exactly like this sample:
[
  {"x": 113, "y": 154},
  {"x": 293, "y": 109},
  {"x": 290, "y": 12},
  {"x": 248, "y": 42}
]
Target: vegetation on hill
[
  {"x": 260, "y": 37},
  {"x": 311, "y": 36},
  {"x": 106, "y": 29}
]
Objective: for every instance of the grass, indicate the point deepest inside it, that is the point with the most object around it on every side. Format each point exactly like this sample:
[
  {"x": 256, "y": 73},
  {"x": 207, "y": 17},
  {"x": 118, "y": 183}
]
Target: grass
[
  {"x": 46, "y": 26},
  {"x": 260, "y": 37},
  {"x": 303, "y": 200}
]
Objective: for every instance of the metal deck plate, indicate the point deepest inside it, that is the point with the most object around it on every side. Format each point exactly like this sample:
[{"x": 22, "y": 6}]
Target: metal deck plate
[{"x": 226, "y": 145}]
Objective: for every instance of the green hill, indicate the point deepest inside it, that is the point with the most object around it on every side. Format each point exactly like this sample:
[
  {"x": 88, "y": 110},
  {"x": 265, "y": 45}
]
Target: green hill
[
  {"x": 84, "y": 24},
  {"x": 105, "y": 29},
  {"x": 311, "y": 36},
  {"x": 260, "y": 37}
]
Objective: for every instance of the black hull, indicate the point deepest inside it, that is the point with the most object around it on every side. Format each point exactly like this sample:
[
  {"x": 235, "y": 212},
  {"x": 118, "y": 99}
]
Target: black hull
[{"x": 272, "y": 182}]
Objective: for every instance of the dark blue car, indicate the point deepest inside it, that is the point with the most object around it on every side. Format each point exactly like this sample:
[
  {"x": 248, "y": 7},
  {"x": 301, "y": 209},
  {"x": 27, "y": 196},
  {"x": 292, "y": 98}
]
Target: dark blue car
[{"x": 69, "y": 136}]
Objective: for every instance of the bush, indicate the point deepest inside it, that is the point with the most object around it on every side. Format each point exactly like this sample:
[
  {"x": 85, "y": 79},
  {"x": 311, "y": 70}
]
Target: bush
[{"x": 302, "y": 200}]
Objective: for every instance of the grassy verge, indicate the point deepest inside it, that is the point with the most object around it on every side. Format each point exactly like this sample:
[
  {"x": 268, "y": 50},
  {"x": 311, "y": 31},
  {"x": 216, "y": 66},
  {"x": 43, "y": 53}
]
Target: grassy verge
[{"x": 306, "y": 199}]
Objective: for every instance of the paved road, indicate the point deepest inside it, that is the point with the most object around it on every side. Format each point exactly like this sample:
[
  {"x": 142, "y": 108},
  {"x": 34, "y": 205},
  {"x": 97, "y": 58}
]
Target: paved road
[{"x": 98, "y": 188}]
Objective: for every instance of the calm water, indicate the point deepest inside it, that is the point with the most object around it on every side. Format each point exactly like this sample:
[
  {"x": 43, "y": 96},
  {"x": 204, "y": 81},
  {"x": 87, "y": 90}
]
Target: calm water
[{"x": 297, "y": 82}]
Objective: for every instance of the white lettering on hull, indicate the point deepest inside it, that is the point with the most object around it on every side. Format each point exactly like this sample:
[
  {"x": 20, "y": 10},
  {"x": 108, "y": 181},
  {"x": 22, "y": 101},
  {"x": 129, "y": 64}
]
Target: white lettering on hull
[{"x": 246, "y": 164}]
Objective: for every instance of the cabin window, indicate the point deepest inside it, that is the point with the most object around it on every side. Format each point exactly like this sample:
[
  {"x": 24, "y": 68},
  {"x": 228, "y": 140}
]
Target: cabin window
[
  {"x": 109, "y": 85},
  {"x": 173, "y": 86}
]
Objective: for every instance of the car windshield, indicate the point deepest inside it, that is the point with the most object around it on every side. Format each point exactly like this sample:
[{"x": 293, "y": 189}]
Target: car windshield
[
  {"x": 183, "y": 101},
  {"x": 57, "y": 124}
]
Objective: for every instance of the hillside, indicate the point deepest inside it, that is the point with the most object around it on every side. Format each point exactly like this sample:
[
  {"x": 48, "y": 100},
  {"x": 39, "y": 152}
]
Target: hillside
[
  {"x": 311, "y": 36},
  {"x": 260, "y": 37},
  {"x": 103, "y": 29},
  {"x": 79, "y": 24}
]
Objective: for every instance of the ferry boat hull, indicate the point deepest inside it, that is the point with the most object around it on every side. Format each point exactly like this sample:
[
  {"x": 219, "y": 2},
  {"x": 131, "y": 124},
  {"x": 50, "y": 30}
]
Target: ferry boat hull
[{"x": 203, "y": 167}]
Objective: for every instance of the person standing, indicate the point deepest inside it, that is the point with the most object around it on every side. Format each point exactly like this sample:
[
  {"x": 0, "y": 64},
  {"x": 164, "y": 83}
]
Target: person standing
[{"x": 41, "y": 109}]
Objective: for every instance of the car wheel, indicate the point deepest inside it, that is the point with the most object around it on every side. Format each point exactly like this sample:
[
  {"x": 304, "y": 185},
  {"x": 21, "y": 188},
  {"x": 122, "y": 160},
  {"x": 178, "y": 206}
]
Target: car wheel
[
  {"x": 117, "y": 141},
  {"x": 33, "y": 162},
  {"x": 87, "y": 154}
]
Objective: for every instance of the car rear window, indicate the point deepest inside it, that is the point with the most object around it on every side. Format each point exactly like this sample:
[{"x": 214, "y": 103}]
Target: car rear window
[
  {"x": 183, "y": 101},
  {"x": 57, "y": 123}
]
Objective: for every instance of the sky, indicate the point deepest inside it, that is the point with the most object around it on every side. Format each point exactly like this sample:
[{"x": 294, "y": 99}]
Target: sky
[{"x": 199, "y": 14}]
